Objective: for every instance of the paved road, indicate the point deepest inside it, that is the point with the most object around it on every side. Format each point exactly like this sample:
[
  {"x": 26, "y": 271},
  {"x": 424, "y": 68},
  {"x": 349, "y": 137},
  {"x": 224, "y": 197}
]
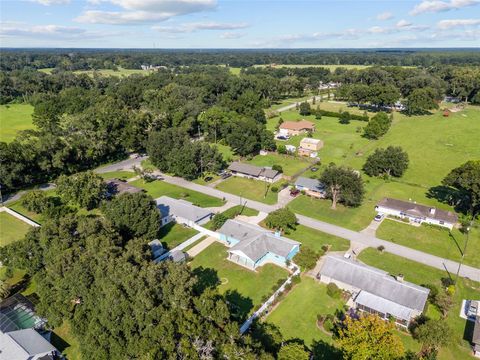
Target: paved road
[
  {"x": 122, "y": 165},
  {"x": 292, "y": 106},
  {"x": 358, "y": 237}
]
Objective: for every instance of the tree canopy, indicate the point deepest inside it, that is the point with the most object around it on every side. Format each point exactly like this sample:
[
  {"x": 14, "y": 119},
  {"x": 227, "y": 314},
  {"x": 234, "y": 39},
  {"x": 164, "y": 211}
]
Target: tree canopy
[
  {"x": 342, "y": 185},
  {"x": 392, "y": 161}
]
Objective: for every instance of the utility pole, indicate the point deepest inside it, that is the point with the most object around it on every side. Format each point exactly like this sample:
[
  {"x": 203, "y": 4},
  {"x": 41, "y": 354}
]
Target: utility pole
[{"x": 464, "y": 250}]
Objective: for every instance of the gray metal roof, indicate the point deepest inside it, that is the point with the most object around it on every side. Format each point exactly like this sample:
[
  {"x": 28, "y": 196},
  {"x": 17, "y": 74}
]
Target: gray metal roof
[
  {"x": 311, "y": 184},
  {"x": 256, "y": 242},
  {"x": 375, "y": 281},
  {"x": 252, "y": 170},
  {"x": 476, "y": 332},
  {"x": 181, "y": 208},
  {"x": 418, "y": 210},
  {"x": 383, "y": 305},
  {"x": 22, "y": 344}
]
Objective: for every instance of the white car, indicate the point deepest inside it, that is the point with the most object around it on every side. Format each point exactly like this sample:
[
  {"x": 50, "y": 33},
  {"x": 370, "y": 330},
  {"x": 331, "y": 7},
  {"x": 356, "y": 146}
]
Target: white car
[{"x": 379, "y": 217}]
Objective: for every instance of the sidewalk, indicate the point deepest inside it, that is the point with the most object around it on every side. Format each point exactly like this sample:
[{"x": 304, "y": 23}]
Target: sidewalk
[{"x": 197, "y": 249}]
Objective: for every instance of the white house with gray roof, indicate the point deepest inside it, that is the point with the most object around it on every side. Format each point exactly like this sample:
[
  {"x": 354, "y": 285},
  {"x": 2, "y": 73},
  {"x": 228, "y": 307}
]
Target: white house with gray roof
[
  {"x": 252, "y": 246},
  {"x": 416, "y": 213},
  {"x": 312, "y": 187},
  {"x": 182, "y": 211},
  {"x": 26, "y": 344},
  {"x": 375, "y": 291},
  {"x": 254, "y": 172}
]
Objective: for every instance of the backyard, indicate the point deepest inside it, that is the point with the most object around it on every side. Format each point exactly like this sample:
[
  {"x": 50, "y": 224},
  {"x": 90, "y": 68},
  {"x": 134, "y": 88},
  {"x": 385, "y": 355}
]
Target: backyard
[
  {"x": 250, "y": 189},
  {"x": 159, "y": 188},
  {"x": 14, "y": 117},
  {"x": 290, "y": 164},
  {"x": 247, "y": 289},
  {"x": 11, "y": 228},
  {"x": 422, "y": 274},
  {"x": 173, "y": 234},
  {"x": 434, "y": 240}
]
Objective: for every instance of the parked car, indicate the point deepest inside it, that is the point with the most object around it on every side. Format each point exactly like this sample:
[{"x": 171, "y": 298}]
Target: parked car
[
  {"x": 208, "y": 178},
  {"x": 225, "y": 175},
  {"x": 314, "y": 169},
  {"x": 379, "y": 217},
  {"x": 281, "y": 137},
  {"x": 294, "y": 192}
]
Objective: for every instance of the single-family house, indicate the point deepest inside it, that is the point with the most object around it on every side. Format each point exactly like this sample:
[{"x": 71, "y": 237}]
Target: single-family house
[
  {"x": 310, "y": 147},
  {"x": 254, "y": 172},
  {"x": 416, "y": 213},
  {"x": 118, "y": 187},
  {"x": 312, "y": 187},
  {"x": 26, "y": 344},
  {"x": 476, "y": 336},
  {"x": 375, "y": 291},
  {"x": 252, "y": 246},
  {"x": 182, "y": 211},
  {"x": 293, "y": 128}
]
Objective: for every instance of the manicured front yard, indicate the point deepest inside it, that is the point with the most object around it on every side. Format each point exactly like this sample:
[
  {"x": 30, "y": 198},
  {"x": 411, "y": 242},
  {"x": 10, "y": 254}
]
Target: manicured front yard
[
  {"x": 15, "y": 117},
  {"x": 173, "y": 234},
  {"x": 422, "y": 274},
  {"x": 254, "y": 287},
  {"x": 315, "y": 239},
  {"x": 122, "y": 175},
  {"x": 250, "y": 189},
  {"x": 159, "y": 188},
  {"x": 11, "y": 228},
  {"x": 433, "y": 240},
  {"x": 290, "y": 164},
  {"x": 296, "y": 315}
]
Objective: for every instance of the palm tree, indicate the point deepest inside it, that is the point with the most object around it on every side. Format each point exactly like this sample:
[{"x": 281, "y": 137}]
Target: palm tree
[{"x": 4, "y": 289}]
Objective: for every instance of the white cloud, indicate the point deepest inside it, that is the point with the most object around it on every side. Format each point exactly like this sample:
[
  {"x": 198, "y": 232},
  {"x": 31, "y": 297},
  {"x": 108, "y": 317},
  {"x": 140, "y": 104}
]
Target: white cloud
[
  {"x": 51, "y": 2},
  {"x": 232, "y": 35},
  {"x": 12, "y": 29},
  {"x": 385, "y": 16},
  {"x": 438, "y": 6},
  {"x": 192, "y": 27},
  {"x": 141, "y": 11},
  {"x": 403, "y": 23},
  {"x": 448, "y": 24}
]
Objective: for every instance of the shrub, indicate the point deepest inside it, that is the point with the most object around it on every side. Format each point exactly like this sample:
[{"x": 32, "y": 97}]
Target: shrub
[
  {"x": 218, "y": 221},
  {"x": 306, "y": 258},
  {"x": 278, "y": 168},
  {"x": 339, "y": 114},
  {"x": 305, "y": 109},
  {"x": 35, "y": 201},
  {"x": 432, "y": 295},
  {"x": 381, "y": 248},
  {"x": 345, "y": 118},
  {"x": 296, "y": 279},
  {"x": 282, "y": 149},
  {"x": 274, "y": 189},
  {"x": 281, "y": 219},
  {"x": 333, "y": 291},
  {"x": 328, "y": 323},
  {"x": 447, "y": 281}
]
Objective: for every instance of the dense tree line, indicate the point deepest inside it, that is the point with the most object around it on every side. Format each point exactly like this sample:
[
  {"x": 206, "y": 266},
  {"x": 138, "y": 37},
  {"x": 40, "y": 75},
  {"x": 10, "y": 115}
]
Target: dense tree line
[{"x": 82, "y": 59}]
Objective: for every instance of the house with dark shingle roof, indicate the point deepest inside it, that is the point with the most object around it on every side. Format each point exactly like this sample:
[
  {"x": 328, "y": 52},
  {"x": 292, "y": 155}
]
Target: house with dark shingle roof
[
  {"x": 252, "y": 246},
  {"x": 254, "y": 172},
  {"x": 416, "y": 213},
  {"x": 312, "y": 187},
  {"x": 375, "y": 291}
]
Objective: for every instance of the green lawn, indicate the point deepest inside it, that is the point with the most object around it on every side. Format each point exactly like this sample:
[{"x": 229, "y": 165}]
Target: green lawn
[
  {"x": 173, "y": 234},
  {"x": 122, "y": 175},
  {"x": 315, "y": 239},
  {"x": 253, "y": 286},
  {"x": 250, "y": 189},
  {"x": 290, "y": 164},
  {"x": 65, "y": 341},
  {"x": 233, "y": 212},
  {"x": 158, "y": 188},
  {"x": 433, "y": 240},
  {"x": 11, "y": 228},
  {"x": 422, "y": 274},
  {"x": 120, "y": 72},
  {"x": 226, "y": 152},
  {"x": 13, "y": 118},
  {"x": 296, "y": 315}
]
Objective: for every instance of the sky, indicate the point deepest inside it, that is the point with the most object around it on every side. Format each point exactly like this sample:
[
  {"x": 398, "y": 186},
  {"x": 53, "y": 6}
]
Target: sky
[{"x": 239, "y": 24}]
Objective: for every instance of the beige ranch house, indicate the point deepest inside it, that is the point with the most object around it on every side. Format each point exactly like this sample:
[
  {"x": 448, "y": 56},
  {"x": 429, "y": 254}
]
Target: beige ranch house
[
  {"x": 310, "y": 147},
  {"x": 374, "y": 291},
  {"x": 254, "y": 172},
  {"x": 293, "y": 128},
  {"x": 416, "y": 213}
]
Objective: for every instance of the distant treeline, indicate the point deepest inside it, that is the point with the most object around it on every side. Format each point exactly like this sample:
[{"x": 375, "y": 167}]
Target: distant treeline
[{"x": 85, "y": 59}]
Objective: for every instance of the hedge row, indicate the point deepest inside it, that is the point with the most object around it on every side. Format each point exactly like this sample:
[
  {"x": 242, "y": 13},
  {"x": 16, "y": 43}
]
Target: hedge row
[{"x": 338, "y": 115}]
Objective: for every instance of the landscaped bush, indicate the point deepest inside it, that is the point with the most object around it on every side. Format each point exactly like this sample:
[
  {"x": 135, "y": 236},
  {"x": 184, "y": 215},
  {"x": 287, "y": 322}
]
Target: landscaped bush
[
  {"x": 278, "y": 168},
  {"x": 281, "y": 149},
  {"x": 381, "y": 248},
  {"x": 218, "y": 221},
  {"x": 328, "y": 323},
  {"x": 307, "y": 258},
  {"x": 296, "y": 279},
  {"x": 274, "y": 189},
  {"x": 334, "y": 291},
  {"x": 338, "y": 115},
  {"x": 432, "y": 295}
]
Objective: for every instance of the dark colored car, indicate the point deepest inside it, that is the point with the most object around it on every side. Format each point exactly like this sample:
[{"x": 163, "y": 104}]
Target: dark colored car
[
  {"x": 294, "y": 192},
  {"x": 207, "y": 178},
  {"x": 225, "y": 175}
]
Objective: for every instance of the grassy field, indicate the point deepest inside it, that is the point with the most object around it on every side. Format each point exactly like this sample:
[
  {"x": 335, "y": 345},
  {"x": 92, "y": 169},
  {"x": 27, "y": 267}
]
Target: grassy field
[
  {"x": 433, "y": 240},
  {"x": 65, "y": 341},
  {"x": 331, "y": 67},
  {"x": 158, "y": 188},
  {"x": 422, "y": 274},
  {"x": 122, "y": 175},
  {"x": 108, "y": 72},
  {"x": 11, "y": 229},
  {"x": 249, "y": 189},
  {"x": 173, "y": 234},
  {"x": 296, "y": 316},
  {"x": 290, "y": 164},
  {"x": 315, "y": 239},
  {"x": 252, "y": 286},
  {"x": 226, "y": 152},
  {"x": 13, "y": 118}
]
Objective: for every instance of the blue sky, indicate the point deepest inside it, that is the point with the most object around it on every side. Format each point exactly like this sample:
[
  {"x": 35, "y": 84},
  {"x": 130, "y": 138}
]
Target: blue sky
[{"x": 239, "y": 24}]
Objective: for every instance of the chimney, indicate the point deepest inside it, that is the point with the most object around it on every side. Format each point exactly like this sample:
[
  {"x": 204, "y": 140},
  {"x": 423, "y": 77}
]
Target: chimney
[
  {"x": 432, "y": 211},
  {"x": 399, "y": 277}
]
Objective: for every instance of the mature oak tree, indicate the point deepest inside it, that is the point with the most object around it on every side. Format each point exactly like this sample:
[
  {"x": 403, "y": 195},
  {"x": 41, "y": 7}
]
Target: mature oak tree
[
  {"x": 342, "y": 185},
  {"x": 392, "y": 161}
]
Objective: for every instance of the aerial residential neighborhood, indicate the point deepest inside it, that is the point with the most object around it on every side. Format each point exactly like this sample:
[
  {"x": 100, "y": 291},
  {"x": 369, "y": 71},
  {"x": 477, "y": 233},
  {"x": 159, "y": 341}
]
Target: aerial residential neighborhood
[{"x": 211, "y": 180}]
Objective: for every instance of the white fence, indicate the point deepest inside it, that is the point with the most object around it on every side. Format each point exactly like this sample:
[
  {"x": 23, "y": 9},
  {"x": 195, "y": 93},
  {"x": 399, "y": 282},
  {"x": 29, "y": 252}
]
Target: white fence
[{"x": 19, "y": 216}]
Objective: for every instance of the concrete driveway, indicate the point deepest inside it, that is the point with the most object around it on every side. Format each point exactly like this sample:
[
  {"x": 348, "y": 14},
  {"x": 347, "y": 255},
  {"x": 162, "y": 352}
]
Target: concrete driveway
[{"x": 371, "y": 229}]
